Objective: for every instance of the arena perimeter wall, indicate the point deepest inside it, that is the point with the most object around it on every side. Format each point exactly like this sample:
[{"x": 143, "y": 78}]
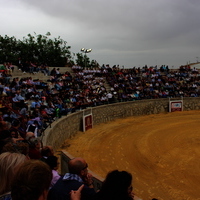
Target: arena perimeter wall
[{"x": 67, "y": 126}]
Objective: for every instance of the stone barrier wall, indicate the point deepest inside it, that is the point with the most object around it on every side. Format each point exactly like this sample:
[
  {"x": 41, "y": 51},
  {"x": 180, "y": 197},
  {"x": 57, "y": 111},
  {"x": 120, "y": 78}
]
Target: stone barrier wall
[{"x": 68, "y": 126}]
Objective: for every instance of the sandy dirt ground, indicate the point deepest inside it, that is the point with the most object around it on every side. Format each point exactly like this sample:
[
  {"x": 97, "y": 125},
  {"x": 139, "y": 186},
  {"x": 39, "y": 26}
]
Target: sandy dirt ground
[{"x": 161, "y": 151}]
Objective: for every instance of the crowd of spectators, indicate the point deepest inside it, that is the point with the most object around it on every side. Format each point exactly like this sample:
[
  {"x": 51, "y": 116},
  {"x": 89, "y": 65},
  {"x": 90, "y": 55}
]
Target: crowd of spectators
[
  {"x": 153, "y": 83},
  {"x": 28, "y": 106},
  {"x": 31, "y": 104}
]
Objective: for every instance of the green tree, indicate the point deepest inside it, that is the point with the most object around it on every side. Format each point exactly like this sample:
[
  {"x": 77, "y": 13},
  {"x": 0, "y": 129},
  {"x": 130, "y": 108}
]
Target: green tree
[
  {"x": 35, "y": 48},
  {"x": 94, "y": 64},
  {"x": 84, "y": 61},
  {"x": 8, "y": 48}
]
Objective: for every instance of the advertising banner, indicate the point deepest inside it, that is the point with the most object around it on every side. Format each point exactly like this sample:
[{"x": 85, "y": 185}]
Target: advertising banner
[{"x": 176, "y": 105}]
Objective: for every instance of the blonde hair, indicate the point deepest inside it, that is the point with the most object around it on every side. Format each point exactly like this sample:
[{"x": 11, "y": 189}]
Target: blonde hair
[{"x": 9, "y": 163}]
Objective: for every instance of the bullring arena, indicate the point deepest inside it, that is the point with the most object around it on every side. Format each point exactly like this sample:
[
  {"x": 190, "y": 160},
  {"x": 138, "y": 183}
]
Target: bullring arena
[{"x": 161, "y": 151}]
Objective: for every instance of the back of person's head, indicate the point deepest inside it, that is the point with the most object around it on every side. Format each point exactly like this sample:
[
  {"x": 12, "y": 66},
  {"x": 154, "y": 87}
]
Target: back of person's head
[
  {"x": 34, "y": 142},
  {"x": 4, "y": 142},
  {"x": 32, "y": 181},
  {"x": 15, "y": 122},
  {"x": 76, "y": 165},
  {"x": 52, "y": 161},
  {"x": 4, "y": 125},
  {"x": 47, "y": 151},
  {"x": 29, "y": 135},
  {"x": 35, "y": 122},
  {"x": 23, "y": 148},
  {"x": 18, "y": 147},
  {"x": 116, "y": 185},
  {"x": 9, "y": 163}
]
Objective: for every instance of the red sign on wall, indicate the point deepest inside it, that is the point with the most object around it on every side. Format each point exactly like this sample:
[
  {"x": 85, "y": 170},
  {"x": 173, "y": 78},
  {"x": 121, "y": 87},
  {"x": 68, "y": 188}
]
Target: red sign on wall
[
  {"x": 176, "y": 106},
  {"x": 87, "y": 122}
]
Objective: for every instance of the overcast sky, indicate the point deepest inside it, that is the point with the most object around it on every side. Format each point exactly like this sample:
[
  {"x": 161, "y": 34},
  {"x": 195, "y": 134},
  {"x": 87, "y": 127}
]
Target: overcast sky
[{"x": 124, "y": 32}]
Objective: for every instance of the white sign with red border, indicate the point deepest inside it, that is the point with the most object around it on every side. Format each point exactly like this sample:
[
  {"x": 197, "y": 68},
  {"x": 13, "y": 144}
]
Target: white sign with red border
[{"x": 176, "y": 105}]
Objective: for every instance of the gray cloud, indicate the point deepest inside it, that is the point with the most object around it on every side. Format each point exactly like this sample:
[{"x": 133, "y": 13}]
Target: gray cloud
[{"x": 125, "y": 32}]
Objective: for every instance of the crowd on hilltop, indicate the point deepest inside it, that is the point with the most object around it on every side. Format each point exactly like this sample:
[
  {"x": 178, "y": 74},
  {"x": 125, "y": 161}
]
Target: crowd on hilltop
[{"x": 28, "y": 106}]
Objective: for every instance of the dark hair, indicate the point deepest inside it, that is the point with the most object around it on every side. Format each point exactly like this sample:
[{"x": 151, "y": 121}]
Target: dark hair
[
  {"x": 46, "y": 151},
  {"x": 35, "y": 122},
  {"x": 33, "y": 142},
  {"x": 19, "y": 147},
  {"x": 31, "y": 180},
  {"x": 15, "y": 122},
  {"x": 115, "y": 186},
  {"x": 52, "y": 161}
]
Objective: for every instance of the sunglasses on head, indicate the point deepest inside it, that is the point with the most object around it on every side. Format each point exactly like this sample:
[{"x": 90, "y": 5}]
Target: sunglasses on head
[{"x": 85, "y": 167}]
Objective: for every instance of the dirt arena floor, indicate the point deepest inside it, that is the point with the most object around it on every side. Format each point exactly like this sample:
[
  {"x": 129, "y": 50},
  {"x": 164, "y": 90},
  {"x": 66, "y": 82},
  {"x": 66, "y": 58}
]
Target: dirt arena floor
[{"x": 161, "y": 151}]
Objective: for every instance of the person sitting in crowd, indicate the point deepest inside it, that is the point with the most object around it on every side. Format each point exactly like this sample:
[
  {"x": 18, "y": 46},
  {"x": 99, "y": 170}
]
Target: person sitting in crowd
[
  {"x": 46, "y": 151},
  {"x": 15, "y": 130},
  {"x": 19, "y": 147},
  {"x": 28, "y": 136},
  {"x": 33, "y": 128},
  {"x": 78, "y": 175},
  {"x": 34, "y": 148},
  {"x": 18, "y": 100},
  {"x": 4, "y": 129},
  {"x": 53, "y": 163},
  {"x": 9, "y": 163}
]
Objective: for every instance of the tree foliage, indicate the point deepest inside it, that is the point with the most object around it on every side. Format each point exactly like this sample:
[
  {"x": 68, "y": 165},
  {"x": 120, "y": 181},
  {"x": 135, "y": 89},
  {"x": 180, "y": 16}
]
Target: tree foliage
[
  {"x": 35, "y": 48},
  {"x": 84, "y": 61}
]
